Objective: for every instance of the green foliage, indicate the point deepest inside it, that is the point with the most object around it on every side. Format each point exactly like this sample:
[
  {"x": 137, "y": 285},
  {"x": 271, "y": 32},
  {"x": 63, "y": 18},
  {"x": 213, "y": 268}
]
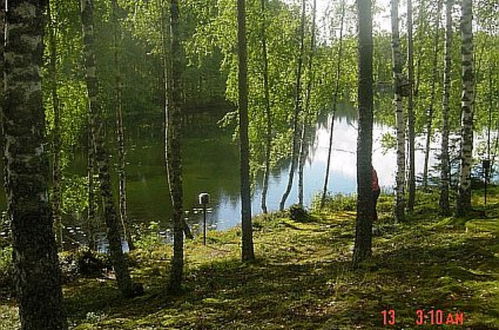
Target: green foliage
[
  {"x": 454, "y": 268},
  {"x": 336, "y": 202},
  {"x": 149, "y": 237},
  {"x": 75, "y": 195},
  {"x": 6, "y": 267},
  {"x": 388, "y": 142}
]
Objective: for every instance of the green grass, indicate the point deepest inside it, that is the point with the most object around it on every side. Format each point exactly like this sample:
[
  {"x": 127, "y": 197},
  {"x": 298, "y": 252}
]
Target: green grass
[{"x": 303, "y": 279}]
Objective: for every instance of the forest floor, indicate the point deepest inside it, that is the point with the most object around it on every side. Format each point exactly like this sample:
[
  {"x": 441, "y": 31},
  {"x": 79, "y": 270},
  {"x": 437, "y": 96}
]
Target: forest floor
[{"x": 303, "y": 278}]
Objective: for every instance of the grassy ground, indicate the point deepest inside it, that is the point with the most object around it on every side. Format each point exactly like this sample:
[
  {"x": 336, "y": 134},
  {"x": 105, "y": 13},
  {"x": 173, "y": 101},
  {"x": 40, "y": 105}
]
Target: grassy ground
[{"x": 303, "y": 279}]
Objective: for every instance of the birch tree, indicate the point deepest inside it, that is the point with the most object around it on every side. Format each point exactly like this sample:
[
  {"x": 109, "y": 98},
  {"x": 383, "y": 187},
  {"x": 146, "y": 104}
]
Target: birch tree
[
  {"x": 335, "y": 104},
  {"x": 444, "y": 156},
  {"x": 306, "y": 117},
  {"x": 399, "y": 113},
  {"x": 173, "y": 124},
  {"x": 120, "y": 134},
  {"x": 431, "y": 107},
  {"x": 56, "y": 133},
  {"x": 36, "y": 266},
  {"x": 268, "y": 112},
  {"x": 410, "y": 111},
  {"x": 95, "y": 109},
  {"x": 297, "y": 111},
  {"x": 467, "y": 99}
]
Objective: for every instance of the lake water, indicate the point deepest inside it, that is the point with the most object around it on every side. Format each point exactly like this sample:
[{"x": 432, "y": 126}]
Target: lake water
[{"x": 210, "y": 164}]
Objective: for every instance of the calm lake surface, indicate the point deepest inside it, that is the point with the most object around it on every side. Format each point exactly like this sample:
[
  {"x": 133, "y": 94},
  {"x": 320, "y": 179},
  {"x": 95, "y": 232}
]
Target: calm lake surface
[{"x": 210, "y": 164}]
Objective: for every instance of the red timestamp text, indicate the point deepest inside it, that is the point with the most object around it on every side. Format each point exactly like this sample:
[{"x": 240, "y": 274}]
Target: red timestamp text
[
  {"x": 426, "y": 317},
  {"x": 438, "y": 317}
]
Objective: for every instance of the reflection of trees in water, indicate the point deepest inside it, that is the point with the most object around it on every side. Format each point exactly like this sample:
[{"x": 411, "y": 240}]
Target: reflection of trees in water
[{"x": 344, "y": 112}]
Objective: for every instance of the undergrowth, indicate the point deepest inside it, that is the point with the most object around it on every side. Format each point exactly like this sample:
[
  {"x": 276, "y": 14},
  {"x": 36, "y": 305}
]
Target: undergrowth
[{"x": 303, "y": 277}]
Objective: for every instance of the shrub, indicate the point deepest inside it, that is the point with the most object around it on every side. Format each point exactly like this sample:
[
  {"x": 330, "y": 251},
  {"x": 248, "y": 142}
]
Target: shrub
[
  {"x": 337, "y": 202},
  {"x": 83, "y": 262},
  {"x": 299, "y": 214},
  {"x": 6, "y": 268},
  {"x": 149, "y": 237}
]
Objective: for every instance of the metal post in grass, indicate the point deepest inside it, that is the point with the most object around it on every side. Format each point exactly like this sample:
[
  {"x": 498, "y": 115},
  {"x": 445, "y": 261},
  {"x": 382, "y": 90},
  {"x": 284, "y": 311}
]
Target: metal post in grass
[{"x": 204, "y": 199}]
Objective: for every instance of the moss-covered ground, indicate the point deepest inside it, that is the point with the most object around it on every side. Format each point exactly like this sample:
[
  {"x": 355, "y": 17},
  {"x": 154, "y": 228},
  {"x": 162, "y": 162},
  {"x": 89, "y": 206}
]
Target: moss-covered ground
[{"x": 303, "y": 278}]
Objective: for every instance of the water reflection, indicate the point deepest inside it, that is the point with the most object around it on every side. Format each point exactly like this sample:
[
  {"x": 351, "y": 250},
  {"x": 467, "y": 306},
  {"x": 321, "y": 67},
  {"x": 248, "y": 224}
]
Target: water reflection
[{"x": 211, "y": 164}]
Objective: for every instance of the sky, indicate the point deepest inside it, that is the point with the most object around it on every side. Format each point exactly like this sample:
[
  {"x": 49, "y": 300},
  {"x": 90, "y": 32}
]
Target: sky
[{"x": 381, "y": 19}]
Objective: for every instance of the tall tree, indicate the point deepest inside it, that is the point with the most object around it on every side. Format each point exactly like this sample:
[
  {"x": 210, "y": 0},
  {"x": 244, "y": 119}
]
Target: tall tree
[
  {"x": 92, "y": 206},
  {"x": 36, "y": 266},
  {"x": 173, "y": 128},
  {"x": 297, "y": 111},
  {"x": 56, "y": 197},
  {"x": 444, "y": 156},
  {"x": 306, "y": 118},
  {"x": 365, "y": 203},
  {"x": 467, "y": 100},
  {"x": 95, "y": 109},
  {"x": 431, "y": 107},
  {"x": 335, "y": 104},
  {"x": 268, "y": 112},
  {"x": 248, "y": 253},
  {"x": 410, "y": 111},
  {"x": 399, "y": 113},
  {"x": 120, "y": 134}
]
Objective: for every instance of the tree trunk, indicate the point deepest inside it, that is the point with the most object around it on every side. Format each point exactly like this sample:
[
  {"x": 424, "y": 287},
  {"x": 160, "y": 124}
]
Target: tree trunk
[
  {"x": 421, "y": 35},
  {"x": 429, "y": 120},
  {"x": 92, "y": 207},
  {"x": 399, "y": 114},
  {"x": 36, "y": 265},
  {"x": 248, "y": 253},
  {"x": 165, "y": 41},
  {"x": 444, "y": 156},
  {"x": 335, "y": 101},
  {"x": 173, "y": 127},
  {"x": 467, "y": 100},
  {"x": 56, "y": 133},
  {"x": 296, "y": 115},
  {"x": 305, "y": 124},
  {"x": 365, "y": 216},
  {"x": 410, "y": 111},
  {"x": 125, "y": 283},
  {"x": 120, "y": 135},
  {"x": 268, "y": 112}
]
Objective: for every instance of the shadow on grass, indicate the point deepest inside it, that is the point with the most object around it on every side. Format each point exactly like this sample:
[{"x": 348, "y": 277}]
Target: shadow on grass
[{"x": 423, "y": 268}]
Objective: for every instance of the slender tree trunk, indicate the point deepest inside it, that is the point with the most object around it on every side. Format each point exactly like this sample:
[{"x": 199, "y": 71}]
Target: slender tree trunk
[
  {"x": 92, "y": 207},
  {"x": 365, "y": 215},
  {"x": 268, "y": 112},
  {"x": 297, "y": 112},
  {"x": 56, "y": 139},
  {"x": 399, "y": 114},
  {"x": 421, "y": 34},
  {"x": 430, "y": 113},
  {"x": 410, "y": 111},
  {"x": 306, "y": 118},
  {"x": 467, "y": 100},
  {"x": 120, "y": 135},
  {"x": 118, "y": 259},
  {"x": 444, "y": 157},
  {"x": 173, "y": 127},
  {"x": 165, "y": 42},
  {"x": 489, "y": 112},
  {"x": 335, "y": 104},
  {"x": 248, "y": 253},
  {"x": 36, "y": 265}
]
